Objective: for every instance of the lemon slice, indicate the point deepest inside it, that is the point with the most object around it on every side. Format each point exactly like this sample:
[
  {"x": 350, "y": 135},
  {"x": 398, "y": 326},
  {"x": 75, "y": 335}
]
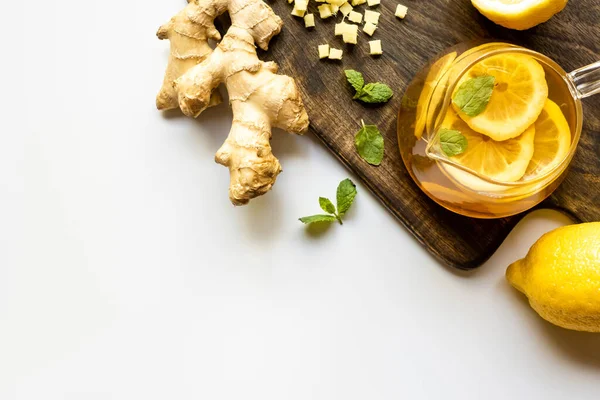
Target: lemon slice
[
  {"x": 519, "y": 14},
  {"x": 552, "y": 140},
  {"x": 504, "y": 161},
  {"x": 436, "y": 72},
  {"x": 520, "y": 92}
]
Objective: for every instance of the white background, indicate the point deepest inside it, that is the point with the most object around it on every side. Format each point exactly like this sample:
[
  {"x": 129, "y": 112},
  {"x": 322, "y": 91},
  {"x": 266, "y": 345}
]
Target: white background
[{"x": 125, "y": 273}]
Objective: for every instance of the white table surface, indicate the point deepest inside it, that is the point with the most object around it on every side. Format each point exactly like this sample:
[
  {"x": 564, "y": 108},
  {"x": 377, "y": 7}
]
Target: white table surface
[{"x": 125, "y": 273}]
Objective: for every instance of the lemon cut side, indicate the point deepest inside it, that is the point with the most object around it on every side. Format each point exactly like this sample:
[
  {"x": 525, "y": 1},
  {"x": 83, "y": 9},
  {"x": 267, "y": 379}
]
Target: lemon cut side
[
  {"x": 519, "y": 14},
  {"x": 504, "y": 161},
  {"x": 519, "y": 95}
]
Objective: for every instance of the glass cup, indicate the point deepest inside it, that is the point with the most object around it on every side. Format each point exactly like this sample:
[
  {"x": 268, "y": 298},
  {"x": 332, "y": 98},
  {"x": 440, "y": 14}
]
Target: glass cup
[{"x": 455, "y": 186}]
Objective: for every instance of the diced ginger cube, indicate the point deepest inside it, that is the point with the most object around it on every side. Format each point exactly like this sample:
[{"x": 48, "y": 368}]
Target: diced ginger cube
[
  {"x": 372, "y": 17},
  {"x": 334, "y": 8},
  {"x": 340, "y": 28},
  {"x": 375, "y": 47},
  {"x": 301, "y": 5},
  {"x": 336, "y": 2},
  {"x": 298, "y": 13},
  {"x": 345, "y": 8},
  {"x": 324, "y": 11},
  {"x": 373, "y": 3},
  {"x": 323, "y": 51},
  {"x": 335, "y": 54},
  {"x": 369, "y": 28},
  {"x": 309, "y": 20},
  {"x": 358, "y": 2},
  {"x": 401, "y": 11},
  {"x": 350, "y": 37},
  {"x": 355, "y": 17}
]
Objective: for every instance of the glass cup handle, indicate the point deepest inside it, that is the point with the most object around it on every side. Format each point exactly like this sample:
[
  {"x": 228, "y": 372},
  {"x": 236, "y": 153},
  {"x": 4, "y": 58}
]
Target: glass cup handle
[{"x": 586, "y": 80}]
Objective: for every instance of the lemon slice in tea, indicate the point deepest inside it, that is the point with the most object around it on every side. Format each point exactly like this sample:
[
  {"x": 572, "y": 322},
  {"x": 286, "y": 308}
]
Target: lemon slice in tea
[
  {"x": 436, "y": 72},
  {"x": 552, "y": 140},
  {"x": 504, "y": 161},
  {"x": 519, "y": 94}
]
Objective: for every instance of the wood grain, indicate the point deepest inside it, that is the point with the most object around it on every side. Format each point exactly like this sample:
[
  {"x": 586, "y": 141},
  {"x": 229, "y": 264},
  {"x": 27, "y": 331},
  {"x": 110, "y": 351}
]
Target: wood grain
[{"x": 572, "y": 38}]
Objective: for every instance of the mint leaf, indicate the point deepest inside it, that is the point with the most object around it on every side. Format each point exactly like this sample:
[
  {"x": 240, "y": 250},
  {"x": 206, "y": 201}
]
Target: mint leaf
[
  {"x": 369, "y": 144},
  {"x": 346, "y": 192},
  {"x": 355, "y": 78},
  {"x": 474, "y": 95},
  {"x": 326, "y": 205},
  {"x": 452, "y": 142},
  {"x": 374, "y": 93},
  {"x": 317, "y": 218}
]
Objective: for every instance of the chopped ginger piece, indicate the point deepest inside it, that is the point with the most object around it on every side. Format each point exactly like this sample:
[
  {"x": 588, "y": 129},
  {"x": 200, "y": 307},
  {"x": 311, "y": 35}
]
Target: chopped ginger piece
[
  {"x": 340, "y": 28},
  {"x": 345, "y": 8},
  {"x": 372, "y": 17},
  {"x": 334, "y": 8},
  {"x": 375, "y": 46},
  {"x": 335, "y": 54},
  {"x": 355, "y": 17},
  {"x": 358, "y": 2},
  {"x": 350, "y": 37},
  {"x": 369, "y": 28},
  {"x": 401, "y": 11},
  {"x": 323, "y": 51},
  {"x": 301, "y": 5},
  {"x": 373, "y": 3},
  {"x": 309, "y": 21},
  {"x": 298, "y": 13},
  {"x": 336, "y": 2},
  {"x": 324, "y": 11}
]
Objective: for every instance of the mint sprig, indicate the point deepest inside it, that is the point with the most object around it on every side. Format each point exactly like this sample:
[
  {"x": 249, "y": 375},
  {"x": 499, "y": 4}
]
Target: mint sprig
[
  {"x": 369, "y": 144},
  {"x": 452, "y": 142},
  {"x": 346, "y": 192},
  {"x": 370, "y": 93},
  {"x": 473, "y": 95}
]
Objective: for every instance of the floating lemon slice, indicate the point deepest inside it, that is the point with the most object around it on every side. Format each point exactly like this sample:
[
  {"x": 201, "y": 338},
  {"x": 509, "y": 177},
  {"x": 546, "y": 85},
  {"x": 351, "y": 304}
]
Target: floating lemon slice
[
  {"x": 520, "y": 92},
  {"x": 436, "y": 72},
  {"x": 519, "y": 14},
  {"x": 504, "y": 161},
  {"x": 552, "y": 140}
]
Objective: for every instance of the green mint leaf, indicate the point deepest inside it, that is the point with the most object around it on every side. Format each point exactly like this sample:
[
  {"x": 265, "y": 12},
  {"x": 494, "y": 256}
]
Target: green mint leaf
[
  {"x": 355, "y": 78},
  {"x": 317, "y": 218},
  {"x": 452, "y": 142},
  {"x": 346, "y": 192},
  {"x": 474, "y": 95},
  {"x": 326, "y": 205},
  {"x": 369, "y": 144},
  {"x": 374, "y": 93}
]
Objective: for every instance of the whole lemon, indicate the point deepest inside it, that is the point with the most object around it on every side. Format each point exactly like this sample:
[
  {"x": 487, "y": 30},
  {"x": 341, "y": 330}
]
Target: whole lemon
[
  {"x": 519, "y": 14},
  {"x": 561, "y": 277}
]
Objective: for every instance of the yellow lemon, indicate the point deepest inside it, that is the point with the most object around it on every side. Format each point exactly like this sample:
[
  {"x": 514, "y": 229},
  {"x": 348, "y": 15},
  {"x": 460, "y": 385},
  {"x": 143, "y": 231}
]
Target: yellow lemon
[
  {"x": 504, "y": 161},
  {"x": 434, "y": 76},
  {"x": 519, "y": 14},
  {"x": 561, "y": 277},
  {"x": 552, "y": 140},
  {"x": 519, "y": 95}
]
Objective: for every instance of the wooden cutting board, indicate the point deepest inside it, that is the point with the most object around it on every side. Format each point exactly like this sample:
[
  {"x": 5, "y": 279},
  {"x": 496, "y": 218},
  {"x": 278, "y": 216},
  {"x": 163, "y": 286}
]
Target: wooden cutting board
[{"x": 572, "y": 38}]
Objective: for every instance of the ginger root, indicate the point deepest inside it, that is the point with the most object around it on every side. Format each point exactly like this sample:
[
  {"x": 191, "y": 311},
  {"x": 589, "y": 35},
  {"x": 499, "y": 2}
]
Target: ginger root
[
  {"x": 188, "y": 33},
  {"x": 260, "y": 99}
]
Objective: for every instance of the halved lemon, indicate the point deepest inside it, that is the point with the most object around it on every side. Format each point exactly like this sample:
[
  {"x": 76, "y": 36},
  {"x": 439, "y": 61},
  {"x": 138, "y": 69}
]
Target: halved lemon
[
  {"x": 552, "y": 140},
  {"x": 519, "y": 14},
  {"x": 519, "y": 94},
  {"x": 504, "y": 161}
]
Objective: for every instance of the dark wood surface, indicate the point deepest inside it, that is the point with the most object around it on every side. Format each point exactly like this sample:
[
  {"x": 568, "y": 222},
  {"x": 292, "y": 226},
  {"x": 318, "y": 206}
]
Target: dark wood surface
[{"x": 572, "y": 38}]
